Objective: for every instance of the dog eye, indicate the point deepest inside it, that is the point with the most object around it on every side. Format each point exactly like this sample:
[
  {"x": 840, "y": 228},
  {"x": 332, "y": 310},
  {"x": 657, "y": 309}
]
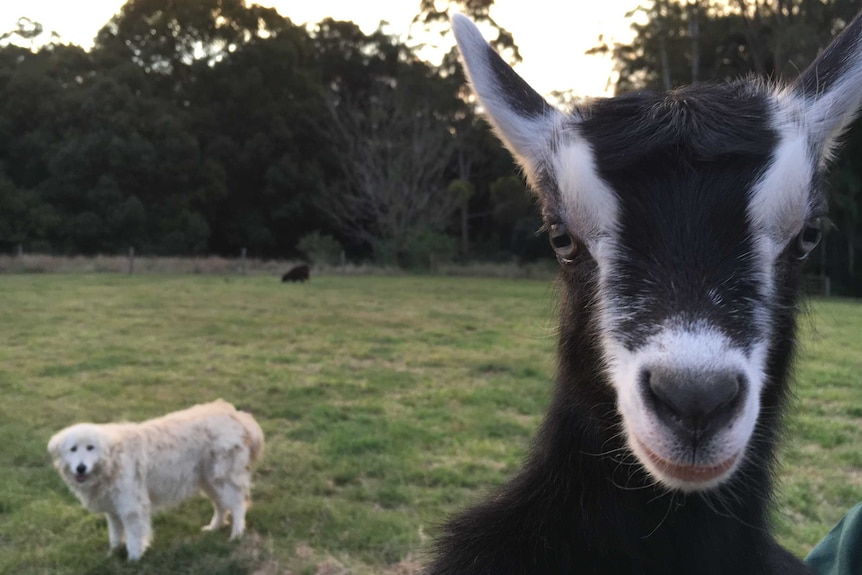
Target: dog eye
[
  {"x": 74, "y": 448},
  {"x": 89, "y": 448}
]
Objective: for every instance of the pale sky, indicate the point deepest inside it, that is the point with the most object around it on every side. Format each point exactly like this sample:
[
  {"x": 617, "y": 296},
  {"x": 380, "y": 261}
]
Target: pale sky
[{"x": 551, "y": 34}]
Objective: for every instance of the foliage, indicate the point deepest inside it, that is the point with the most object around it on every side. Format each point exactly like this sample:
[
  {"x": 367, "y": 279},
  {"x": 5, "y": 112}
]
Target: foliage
[
  {"x": 211, "y": 126},
  {"x": 425, "y": 249},
  {"x": 682, "y": 41},
  {"x": 431, "y": 15},
  {"x": 393, "y": 150},
  {"x": 320, "y": 248},
  {"x": 432, "y": 398}
]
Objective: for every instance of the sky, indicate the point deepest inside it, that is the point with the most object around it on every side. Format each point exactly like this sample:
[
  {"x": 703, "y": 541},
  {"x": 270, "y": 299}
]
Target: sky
[{"x": 551, "y": 34}]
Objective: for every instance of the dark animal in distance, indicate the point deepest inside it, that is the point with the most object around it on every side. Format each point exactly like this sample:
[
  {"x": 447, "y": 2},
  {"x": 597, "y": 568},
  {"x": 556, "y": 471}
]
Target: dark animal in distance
[
  {"x": 680, "y": 221},
  {"x": 299, "y": 273}
]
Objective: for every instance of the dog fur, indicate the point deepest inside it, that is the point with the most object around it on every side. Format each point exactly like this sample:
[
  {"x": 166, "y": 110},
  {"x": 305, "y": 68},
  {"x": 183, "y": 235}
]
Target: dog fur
[{"x": 130, "y": 470}]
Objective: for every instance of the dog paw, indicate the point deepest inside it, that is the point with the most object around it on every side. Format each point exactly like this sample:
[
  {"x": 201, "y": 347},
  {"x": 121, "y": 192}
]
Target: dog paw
[{"x": 213, "y": 526}]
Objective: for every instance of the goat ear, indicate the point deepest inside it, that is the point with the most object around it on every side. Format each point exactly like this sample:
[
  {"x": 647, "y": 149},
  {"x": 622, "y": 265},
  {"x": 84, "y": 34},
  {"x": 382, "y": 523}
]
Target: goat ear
[
  {"x": 831, "y": 89},
  {"x": 523, "y": 120}
]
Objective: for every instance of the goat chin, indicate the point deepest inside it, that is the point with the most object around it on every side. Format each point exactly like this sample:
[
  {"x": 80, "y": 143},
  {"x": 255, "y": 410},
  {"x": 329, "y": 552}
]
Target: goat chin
[
  {"x": 685, "y": 476},
  {"x": 681, "y": 221}
]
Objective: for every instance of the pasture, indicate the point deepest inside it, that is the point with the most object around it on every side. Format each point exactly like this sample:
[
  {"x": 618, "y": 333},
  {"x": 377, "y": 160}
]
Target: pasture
[{"x": 387, "y": 403}]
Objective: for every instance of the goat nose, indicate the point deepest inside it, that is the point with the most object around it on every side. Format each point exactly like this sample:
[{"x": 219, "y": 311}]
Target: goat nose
[
  {"x": 81, "y": 469},
  {"x": 697, "y": 400}
]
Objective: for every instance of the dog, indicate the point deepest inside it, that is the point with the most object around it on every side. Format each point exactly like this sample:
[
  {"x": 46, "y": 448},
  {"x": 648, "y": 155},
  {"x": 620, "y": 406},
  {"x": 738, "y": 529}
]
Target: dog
[
  {"x": 297, "y": 274},
  {"x": 130, "y": 470}
]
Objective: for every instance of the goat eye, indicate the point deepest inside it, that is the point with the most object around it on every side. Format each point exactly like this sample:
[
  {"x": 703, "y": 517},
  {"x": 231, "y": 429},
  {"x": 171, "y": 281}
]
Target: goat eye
[
  {"x": 89, "y": 448},
  {"x": 808, "y": 238},
  {"x": 74, "y": 449},
  {"x": 563, "y": 243}
]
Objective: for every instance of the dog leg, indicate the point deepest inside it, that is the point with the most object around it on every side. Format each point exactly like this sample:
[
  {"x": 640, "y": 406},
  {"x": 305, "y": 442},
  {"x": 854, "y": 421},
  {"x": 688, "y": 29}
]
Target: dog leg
[
  {"x": 219, "y": 517},
  {"x": 234, "y": 499},
  {"x": 213, "y": 490},
  {"x": 115, "y": 531},
  {"x": 138, "y": 533}
]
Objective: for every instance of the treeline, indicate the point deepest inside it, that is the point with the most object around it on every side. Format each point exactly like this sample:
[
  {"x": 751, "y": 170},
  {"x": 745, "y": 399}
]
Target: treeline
[{"x": 209, "y": 126}]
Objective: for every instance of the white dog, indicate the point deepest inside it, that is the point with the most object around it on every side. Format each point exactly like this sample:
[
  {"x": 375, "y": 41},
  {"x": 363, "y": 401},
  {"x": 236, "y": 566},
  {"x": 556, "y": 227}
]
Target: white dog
[{"x": 129, "y": 470}]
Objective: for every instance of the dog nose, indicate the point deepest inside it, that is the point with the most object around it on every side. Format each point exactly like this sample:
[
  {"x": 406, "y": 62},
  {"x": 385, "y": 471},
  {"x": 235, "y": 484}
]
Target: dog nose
[
  {"x": 81, "y": 469},
  {"x": 699, "y": 401}
]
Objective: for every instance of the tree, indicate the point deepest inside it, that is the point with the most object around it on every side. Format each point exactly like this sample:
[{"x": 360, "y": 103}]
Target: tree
[
  {"x": 688, "y": 40},
  {"x": 207, "y": 126},
  {"x": 432, "y": 17},
  {"x": 167, "y": 38},
  {"x": 391, "y": 137},
  {"x": 393, "y": 155},
  {"x": 262, "y": 143}
]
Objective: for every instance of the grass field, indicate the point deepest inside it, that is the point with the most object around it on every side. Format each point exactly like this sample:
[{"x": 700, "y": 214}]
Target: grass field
[{"x": 387, "y": 403}]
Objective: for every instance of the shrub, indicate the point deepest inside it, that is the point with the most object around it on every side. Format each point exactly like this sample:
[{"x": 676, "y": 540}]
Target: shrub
[{"x": 320, "y": 248}]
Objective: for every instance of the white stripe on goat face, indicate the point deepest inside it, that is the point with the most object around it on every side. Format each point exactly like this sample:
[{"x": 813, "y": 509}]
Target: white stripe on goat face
[
  {"x": 589, "y": 206},
  {"x": 781, "y": 200}
]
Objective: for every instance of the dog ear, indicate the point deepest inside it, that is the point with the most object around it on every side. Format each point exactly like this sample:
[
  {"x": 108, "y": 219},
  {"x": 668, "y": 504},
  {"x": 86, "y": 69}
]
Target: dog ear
[{"x": 55, "y": 444}]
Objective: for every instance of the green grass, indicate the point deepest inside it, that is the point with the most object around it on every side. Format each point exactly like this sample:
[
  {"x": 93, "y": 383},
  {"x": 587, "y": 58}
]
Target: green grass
[{"x": 387, "y": 403}]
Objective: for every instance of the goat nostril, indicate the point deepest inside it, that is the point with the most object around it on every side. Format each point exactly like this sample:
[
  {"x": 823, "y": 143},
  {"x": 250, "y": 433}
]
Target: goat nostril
[{"x": 693, "y": 398}]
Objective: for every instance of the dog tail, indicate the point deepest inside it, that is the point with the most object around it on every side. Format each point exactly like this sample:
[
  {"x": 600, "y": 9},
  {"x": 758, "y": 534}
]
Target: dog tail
[{"x": 254, "y": 435}]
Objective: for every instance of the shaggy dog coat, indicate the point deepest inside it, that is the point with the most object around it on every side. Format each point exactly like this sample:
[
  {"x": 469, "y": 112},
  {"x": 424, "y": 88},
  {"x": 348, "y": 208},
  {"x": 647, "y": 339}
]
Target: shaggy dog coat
[{"x": 129, "y": 470}]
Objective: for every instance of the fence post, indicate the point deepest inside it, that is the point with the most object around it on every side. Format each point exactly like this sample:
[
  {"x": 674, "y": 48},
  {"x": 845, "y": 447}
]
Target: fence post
[
  {"x": 20, "y": 250},
  {"x": 131, "y": 260},
  {"x": 242, "y": 261},
  {"x": 343, "y": 262}
]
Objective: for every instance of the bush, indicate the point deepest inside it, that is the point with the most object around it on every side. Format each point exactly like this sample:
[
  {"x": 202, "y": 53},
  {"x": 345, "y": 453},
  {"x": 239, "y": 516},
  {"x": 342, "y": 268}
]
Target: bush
[
  {"x": 416, "y": 249},
  {"x": 320, "y": 248}
]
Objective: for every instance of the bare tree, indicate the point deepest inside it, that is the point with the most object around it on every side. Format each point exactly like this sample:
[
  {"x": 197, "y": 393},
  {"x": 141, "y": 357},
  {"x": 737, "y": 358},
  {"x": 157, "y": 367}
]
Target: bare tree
[
  {"x": 693, "y": 10},
  {"x": 393, "y": 154}
]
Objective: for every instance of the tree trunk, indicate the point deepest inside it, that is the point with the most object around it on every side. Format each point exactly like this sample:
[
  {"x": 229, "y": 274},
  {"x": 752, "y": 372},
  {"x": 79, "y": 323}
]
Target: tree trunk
[
  {"x": 662, "y": 43},
  {"x": 465, "y": 231},
  {"x": 694, "y": 34},
  {"x": 464, "y": 169},
  {"x": 752, "y": 36}
]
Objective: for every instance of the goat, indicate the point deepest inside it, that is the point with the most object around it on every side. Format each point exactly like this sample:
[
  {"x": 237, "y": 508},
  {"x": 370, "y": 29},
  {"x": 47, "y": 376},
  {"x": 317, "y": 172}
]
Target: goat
[
  {"x": 680, "y": 222},
  {"x": 299, "y": 273}
]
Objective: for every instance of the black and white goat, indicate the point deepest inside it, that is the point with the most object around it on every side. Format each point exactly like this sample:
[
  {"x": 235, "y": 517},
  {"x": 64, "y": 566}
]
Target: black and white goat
[{"x": 680, "y": 221}]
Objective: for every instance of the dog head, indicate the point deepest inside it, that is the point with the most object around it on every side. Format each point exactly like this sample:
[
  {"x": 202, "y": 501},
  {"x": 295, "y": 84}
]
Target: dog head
[{"x": 79, "y": 452}]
